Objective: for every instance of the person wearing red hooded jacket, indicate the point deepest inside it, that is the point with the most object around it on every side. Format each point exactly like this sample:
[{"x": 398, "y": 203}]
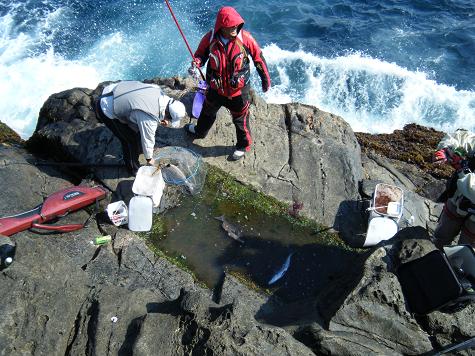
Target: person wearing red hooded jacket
[{"x": 226, "y": 48}]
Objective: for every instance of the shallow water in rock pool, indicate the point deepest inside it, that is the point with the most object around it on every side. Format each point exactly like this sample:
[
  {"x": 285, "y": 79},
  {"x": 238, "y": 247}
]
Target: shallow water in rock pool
[{"x": 192, "y": 233}]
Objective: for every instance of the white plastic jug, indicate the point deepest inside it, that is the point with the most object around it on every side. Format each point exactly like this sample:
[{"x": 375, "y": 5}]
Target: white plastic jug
[{"x": 140, "y": 213}]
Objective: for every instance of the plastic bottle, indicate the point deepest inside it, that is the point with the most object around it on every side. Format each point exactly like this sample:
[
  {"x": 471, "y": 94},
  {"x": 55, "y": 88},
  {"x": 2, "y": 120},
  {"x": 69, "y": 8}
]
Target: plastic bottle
[{"x": 7, "y": 251}]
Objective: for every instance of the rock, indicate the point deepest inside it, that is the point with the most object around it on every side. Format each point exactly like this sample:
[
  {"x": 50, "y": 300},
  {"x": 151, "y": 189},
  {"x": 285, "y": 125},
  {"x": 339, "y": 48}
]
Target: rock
[
  {"x": 450, "y": 328},
  {"x": 63, "y": 295},
  {"x": 374, "y": 313},
  {"x": 8, "y": 136},
  {"x": 195, "y": 303},
  {"x": 300, "y": 154},
  {"x": 413, "y": 144},
  {"x": 413, "y": 248}
]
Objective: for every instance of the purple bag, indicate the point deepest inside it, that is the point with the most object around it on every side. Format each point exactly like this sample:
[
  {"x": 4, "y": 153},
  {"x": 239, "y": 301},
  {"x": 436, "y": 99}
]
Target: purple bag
[{"x": 199, "y": 99}]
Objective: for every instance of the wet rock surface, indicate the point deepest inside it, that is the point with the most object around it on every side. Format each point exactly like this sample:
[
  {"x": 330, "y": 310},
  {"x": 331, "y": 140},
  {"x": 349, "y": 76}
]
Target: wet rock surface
[{"x": 64, "y": 295}]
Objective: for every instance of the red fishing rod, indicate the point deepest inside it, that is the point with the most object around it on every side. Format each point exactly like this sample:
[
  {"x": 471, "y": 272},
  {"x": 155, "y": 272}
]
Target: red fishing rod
[{"x": 184, "y": 38}]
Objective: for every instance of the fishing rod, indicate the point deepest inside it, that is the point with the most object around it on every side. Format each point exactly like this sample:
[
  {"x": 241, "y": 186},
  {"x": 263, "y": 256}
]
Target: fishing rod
[
  {"x": 184, "y": 38},
  {"x": 464, "y": 345},
  {"x": 66, "y": 164},
  {"x": 77, "y": 164}
]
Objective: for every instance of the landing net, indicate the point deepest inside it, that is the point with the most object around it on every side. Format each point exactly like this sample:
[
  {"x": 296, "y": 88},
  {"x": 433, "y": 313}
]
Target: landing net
[{"x": 181, "y": 166}]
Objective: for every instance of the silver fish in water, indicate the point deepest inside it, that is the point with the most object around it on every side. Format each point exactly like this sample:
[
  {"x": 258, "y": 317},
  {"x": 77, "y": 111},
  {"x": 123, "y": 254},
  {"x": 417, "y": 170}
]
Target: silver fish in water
[
  {"x": 233, "y": 231},
  {"x": 280, "y": 273}
]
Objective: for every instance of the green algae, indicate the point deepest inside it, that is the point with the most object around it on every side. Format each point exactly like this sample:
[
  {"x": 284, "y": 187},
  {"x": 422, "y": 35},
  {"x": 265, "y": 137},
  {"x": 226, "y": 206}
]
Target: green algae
[
  {"x": 227, "y": 192},
  {"x": 8, "y": 136},
  {"x": 248, "y": 282}
]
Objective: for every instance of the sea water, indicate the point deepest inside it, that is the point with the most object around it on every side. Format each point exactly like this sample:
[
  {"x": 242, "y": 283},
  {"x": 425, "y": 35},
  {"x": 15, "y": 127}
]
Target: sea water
[{"x": 379, "y": 64}]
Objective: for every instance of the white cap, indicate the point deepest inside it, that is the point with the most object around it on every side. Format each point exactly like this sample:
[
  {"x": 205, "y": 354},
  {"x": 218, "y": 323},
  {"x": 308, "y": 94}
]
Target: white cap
[{"x": 177, "y": 112}]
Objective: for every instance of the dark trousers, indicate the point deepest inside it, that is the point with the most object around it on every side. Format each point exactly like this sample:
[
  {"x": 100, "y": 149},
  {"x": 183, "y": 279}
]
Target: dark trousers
[
  {"x": 451, "y": 223},
  {"x": 129, "y": 139},
  {"x": 239, "y": 108}
]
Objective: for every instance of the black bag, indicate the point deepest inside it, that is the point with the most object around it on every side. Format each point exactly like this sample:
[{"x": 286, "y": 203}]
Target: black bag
[{"x": 442, "y": 281}]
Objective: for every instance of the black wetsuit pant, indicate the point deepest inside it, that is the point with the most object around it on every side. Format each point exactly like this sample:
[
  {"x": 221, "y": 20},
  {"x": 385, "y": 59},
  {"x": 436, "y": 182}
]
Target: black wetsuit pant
[
  {"x": 239, "y": 108},
  {"x": 129, "y": 139}
]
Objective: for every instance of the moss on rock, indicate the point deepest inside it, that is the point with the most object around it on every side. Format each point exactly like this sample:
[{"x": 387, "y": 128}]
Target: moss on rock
[
  {"x": 413, "y": 144},
  {"x": 8, "y": 136},
  {"x": 220, "y": 185}
]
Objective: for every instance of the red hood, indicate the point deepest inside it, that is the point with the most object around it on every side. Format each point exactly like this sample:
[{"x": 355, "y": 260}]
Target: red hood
[{"x": 228, "y": 17}]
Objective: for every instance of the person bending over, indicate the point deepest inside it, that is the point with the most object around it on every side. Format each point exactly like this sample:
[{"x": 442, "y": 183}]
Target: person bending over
[{"x": 133, "y": 110}]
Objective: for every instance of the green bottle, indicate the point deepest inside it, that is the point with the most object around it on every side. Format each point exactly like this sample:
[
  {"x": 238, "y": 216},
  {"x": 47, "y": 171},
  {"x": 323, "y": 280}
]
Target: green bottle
[{"x": 102, "y": 240}]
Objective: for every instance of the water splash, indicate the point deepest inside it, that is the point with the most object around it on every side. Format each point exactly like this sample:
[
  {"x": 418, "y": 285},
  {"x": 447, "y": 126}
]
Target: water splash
[
  {"x": 46, "y": 48},
  {"x": 372, "y": 95}
]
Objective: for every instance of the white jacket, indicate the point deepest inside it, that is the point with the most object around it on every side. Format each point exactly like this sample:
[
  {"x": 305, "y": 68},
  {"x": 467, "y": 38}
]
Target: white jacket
[
  {"x": 463, "y": 142},
  {"x": 460, "y": 140}
]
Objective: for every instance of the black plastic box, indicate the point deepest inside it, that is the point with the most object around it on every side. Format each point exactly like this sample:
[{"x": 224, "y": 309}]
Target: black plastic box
[{"x": 439, "y": 280}]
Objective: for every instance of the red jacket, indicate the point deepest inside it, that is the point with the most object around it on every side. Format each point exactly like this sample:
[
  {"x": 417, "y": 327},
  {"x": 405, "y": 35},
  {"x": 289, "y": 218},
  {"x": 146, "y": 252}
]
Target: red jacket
[{"x": 228, "y": 66}]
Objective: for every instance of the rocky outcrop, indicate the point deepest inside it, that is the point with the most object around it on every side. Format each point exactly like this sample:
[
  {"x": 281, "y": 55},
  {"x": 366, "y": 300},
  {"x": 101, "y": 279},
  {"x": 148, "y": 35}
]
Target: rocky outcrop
[
  {"x": 64, "y": 295},
  {"x": 8, "y": 136},
  {"x": 300, "y": 154},
  {"x": 371, "y": 315}
]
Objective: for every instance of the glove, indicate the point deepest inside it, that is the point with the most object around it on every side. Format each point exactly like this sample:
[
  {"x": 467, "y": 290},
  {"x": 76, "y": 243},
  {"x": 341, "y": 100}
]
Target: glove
[
  {"x": 195, "y": 63},
  {"x": 440, "y": 156},
  {"x": 448, "y": 155}
]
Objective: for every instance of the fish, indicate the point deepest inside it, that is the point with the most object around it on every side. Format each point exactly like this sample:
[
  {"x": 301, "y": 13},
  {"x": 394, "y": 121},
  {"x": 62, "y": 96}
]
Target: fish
[
  {"x": 280, "y": 273},
  {"x": 161, "y": 163},
  {"x": 174, "y": 175},
  {"x": 234, "y": 231}
]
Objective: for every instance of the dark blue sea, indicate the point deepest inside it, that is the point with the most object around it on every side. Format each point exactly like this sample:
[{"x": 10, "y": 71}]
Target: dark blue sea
[{"x": 379, "y": 64}]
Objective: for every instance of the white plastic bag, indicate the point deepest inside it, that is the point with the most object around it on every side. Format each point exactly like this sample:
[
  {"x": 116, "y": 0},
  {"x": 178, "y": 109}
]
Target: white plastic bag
[
  {"x": 149, "y": 182},
  {"x": 118, "y": 213}
]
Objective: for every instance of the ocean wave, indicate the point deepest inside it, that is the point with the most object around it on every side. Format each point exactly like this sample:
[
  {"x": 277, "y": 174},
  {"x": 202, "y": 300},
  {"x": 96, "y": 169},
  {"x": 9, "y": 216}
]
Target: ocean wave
[
  {"x": 370, "y": 94},
  {"x": 31, "y": 70},
  {"x": 39, "y": 57},
  {"x": 48, "y": 46}
]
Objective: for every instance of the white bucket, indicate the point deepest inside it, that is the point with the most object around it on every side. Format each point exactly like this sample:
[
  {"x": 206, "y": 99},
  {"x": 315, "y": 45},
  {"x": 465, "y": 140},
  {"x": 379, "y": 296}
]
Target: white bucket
[
  {"x": 149, "y": 182},
  {"x": 117, "y": 213},
  {"x": 379, "y": 229},
  {"x": 140, "y": 213}
]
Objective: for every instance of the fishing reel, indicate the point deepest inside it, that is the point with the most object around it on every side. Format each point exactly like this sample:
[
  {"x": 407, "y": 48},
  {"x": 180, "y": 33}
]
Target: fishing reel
[{"x": 7, "y": 251}]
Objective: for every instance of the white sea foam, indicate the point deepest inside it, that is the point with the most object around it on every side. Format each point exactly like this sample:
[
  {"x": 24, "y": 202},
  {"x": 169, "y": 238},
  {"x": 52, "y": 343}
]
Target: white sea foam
[
  {"x": 27, "y": 83},
  {"x": 29, "y": 75},
  {"x": 372, "y": 95},
  {"x": 31, "y": 70}
]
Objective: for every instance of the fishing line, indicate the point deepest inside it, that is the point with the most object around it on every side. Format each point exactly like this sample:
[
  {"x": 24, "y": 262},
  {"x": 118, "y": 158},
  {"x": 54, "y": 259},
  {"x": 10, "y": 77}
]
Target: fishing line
[{"x": 184, "y": 38}]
